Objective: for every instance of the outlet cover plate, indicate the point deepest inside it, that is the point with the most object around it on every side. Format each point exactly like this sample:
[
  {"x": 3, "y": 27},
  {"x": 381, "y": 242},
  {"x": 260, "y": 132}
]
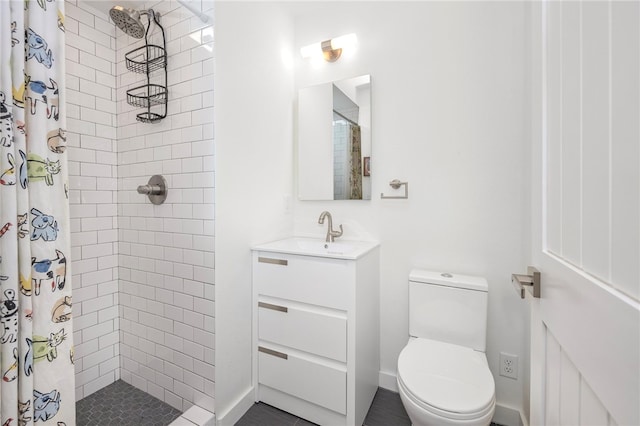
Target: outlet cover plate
[{"x": 509, "y": 365}]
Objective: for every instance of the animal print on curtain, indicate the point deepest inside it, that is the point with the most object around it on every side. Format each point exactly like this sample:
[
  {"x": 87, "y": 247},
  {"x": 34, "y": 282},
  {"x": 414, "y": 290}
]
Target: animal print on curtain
[
  {"x": 355, "y": 172},
  {"x": 36, "y": 348}
]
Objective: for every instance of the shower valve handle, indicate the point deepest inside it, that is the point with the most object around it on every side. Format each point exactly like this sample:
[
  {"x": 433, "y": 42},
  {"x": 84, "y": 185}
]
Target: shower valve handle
[
  {"x": 156, "y": 189},
  {"x": 150, "y": 189}
]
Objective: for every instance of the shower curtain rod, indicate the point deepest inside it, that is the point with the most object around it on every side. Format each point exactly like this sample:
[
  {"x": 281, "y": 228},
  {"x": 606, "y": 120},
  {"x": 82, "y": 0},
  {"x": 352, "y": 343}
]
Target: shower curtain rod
[
  {"x": 348, "y": 119},
  {"x": 204, "y": 18}
]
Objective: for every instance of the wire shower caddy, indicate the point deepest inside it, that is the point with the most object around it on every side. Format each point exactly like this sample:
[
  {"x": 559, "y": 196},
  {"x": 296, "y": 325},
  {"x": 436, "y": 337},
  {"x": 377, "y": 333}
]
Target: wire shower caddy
[{"x": 145, "y": 60}]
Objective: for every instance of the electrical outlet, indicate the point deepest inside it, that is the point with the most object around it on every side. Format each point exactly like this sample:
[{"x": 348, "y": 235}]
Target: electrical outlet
[{"x": 508, "y": 365}]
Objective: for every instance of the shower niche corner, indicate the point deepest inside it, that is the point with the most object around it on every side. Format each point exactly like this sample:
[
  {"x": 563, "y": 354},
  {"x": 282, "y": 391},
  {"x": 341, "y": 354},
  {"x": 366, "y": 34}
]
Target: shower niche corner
[{"x": 147, "y": 59}]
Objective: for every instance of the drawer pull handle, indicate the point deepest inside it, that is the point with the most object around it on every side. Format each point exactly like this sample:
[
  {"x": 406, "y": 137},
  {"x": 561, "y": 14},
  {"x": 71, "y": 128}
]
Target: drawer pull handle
[
  {"x": 272, "y": 352},
  {"x": 273, "y": 261},
  {"x": 273, "y": 307}
]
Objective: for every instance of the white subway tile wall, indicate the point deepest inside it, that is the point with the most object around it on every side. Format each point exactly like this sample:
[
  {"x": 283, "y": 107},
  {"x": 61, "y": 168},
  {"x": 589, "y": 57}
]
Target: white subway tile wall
[
  {"x": 93, "y": 195},
  {"x": 166, "y": 252},
  {"x": 143, "y": 274}
]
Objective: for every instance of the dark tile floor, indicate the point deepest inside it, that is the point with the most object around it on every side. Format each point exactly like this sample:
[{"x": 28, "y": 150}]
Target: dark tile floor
[
  {"x": 386, "y": 410},
  {"x": 123, "y": 405}
]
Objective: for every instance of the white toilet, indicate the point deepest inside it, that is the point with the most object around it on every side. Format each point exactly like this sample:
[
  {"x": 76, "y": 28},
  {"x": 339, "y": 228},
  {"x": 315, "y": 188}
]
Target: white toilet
[{"x": 443, "y": 375}]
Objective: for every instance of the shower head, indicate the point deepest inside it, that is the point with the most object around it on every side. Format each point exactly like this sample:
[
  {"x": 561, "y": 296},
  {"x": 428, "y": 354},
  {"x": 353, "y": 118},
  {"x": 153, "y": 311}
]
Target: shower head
[{"x": 128, "y": 20}]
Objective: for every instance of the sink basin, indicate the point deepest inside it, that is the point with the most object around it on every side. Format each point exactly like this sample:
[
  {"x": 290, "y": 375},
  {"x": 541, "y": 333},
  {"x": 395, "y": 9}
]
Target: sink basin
[{"x": 317, "y": 247}]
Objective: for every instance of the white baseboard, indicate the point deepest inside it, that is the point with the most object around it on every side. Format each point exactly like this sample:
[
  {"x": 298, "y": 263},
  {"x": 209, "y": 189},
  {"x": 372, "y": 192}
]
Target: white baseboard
[
  {"x": 238, "y": 409},
  {"x": 388, "y": 381},
  {"x": 505, "y": 416},
  {"x": 508, "y": 416}
]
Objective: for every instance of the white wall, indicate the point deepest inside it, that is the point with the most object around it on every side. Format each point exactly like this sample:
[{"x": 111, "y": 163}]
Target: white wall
[
  {"x": 253, "y": 116},
  {"x": 91, "y": 117},
  {"x": 448, "y": 116},
  {"x": 167, "y": 251},
  {"x": 449, "y": 101},
  {"x": 449, "y": 111}
]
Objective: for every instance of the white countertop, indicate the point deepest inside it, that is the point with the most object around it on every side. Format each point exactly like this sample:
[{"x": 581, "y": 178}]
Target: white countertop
[{"x": 349, "y": 250}]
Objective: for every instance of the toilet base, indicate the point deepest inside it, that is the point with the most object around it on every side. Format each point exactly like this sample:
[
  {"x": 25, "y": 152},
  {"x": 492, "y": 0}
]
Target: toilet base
[{"x": 420, "y": 417}]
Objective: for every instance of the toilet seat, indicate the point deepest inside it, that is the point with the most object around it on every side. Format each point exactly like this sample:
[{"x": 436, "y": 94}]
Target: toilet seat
[{"x": 447, "y": 380}]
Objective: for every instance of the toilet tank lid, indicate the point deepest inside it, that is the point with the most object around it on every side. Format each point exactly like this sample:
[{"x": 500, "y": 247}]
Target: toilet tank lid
[{"x": 449, "y": 279}]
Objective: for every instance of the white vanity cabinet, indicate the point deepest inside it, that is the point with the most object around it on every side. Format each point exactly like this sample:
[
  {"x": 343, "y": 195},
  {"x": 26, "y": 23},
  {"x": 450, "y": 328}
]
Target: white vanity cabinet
[{"x": 316, "y": 332}]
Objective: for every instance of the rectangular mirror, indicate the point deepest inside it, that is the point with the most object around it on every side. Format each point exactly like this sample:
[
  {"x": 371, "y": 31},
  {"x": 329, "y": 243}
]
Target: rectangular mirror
[{"x": 334, "y": 140}]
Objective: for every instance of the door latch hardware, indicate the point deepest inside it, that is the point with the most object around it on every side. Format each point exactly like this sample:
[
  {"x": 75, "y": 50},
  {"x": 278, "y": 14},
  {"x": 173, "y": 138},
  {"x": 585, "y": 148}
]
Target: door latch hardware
[{"x": 530, "y": 281}]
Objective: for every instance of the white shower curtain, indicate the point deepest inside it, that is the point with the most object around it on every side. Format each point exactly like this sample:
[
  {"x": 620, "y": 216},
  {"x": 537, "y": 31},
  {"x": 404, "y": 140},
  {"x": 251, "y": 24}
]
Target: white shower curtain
[{"x": 36, "y": 345}]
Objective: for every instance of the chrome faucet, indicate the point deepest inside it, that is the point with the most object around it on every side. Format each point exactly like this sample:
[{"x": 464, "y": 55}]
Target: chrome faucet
[{"x": 331, "y": 234}]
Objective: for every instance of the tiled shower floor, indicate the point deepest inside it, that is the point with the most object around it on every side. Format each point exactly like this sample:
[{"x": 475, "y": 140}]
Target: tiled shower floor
[{"x": 121, "y": 404}]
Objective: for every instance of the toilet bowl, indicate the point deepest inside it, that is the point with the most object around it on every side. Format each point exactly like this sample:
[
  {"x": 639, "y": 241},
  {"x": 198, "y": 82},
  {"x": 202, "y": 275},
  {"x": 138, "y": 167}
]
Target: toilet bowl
[
  {"x": 443, "y": 375},
  {"x": 445, "y": 384}
]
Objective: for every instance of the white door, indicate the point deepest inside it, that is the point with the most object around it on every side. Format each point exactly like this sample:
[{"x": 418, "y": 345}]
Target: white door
[{"x": 585, "y": 330}]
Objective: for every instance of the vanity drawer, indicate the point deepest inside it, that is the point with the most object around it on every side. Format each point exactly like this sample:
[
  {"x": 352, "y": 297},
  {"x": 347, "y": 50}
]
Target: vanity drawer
[
  {"x": 317, "y": 383},
  {"x": 311, "y": 331},
  {"x": 325, "y": 282}
]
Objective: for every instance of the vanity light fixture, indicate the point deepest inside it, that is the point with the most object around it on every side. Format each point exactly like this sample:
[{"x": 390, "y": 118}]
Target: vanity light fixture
[{"x": 330, "y": 50}]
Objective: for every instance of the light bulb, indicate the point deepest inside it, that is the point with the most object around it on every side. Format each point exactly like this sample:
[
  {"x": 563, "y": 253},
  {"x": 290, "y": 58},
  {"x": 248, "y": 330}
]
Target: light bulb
[
  {"x": 344, "y": 42},
  {"x": 311, "y": 50}
]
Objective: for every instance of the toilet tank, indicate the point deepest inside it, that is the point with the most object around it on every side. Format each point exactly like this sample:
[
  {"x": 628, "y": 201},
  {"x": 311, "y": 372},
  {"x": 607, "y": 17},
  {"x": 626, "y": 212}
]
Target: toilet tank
[{"x": 449, "y": 308}]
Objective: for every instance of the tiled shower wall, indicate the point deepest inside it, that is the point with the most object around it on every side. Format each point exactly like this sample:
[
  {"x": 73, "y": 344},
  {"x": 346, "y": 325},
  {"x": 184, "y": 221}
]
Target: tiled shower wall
[
  {"x": 166, "y": 256},
  {"x": 143, "y": 296},
  {"x": 91, "y": 123},
  {"x": 340, "y": 160}
]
